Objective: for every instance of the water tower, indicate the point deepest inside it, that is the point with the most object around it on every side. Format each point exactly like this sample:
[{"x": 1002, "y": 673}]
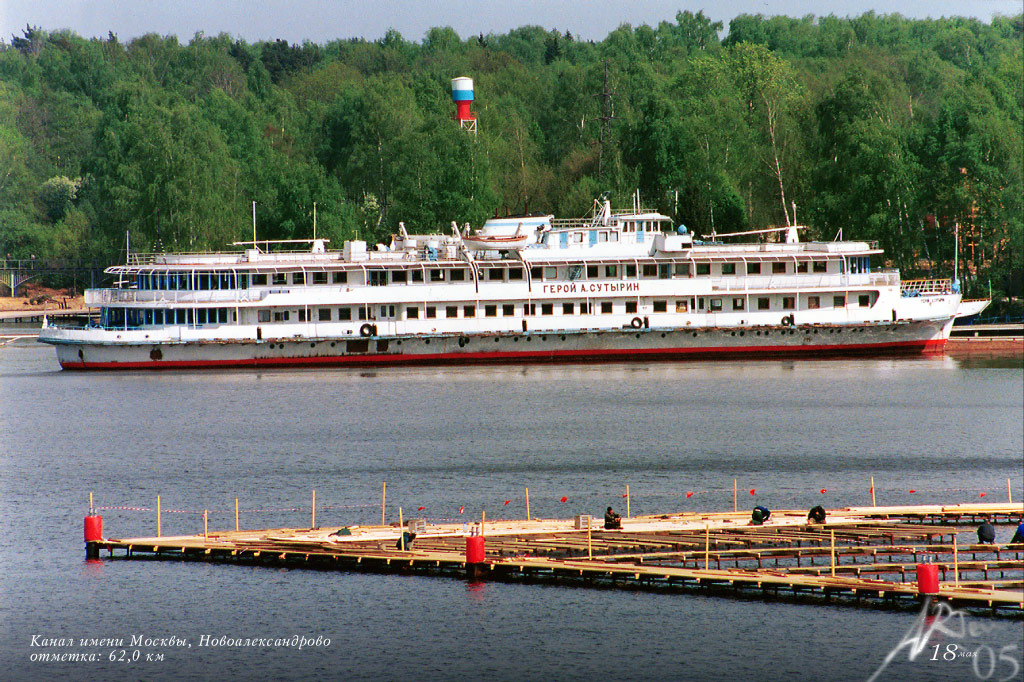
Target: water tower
[{"x": 462, "y": 95}]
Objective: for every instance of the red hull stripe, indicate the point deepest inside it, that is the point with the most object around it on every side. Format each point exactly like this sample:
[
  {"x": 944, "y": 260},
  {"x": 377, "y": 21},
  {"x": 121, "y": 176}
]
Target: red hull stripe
[{"x": 596, "y": 355}]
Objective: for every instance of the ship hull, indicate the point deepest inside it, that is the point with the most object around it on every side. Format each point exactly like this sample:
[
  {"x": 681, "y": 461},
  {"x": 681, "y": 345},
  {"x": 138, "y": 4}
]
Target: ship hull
[{"x": 615, "y": 345}]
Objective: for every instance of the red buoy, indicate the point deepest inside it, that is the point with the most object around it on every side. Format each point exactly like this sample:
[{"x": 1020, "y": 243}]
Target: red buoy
[
  {"x": 475, "y": 549},
  {"x": 93, "y": 528},
  {"x": 927, "y": 578}
]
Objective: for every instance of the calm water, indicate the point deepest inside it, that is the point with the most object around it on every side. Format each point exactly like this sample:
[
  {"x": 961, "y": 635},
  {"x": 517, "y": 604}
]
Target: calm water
[{"x": 474, "y": 437}]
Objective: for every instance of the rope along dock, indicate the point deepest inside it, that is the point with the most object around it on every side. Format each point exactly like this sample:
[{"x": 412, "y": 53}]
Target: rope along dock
[{"x": 865, "y": 555}]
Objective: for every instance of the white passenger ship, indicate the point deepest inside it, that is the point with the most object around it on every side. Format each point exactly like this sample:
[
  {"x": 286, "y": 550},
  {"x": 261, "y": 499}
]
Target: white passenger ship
[{"x": 620, "y": 285}]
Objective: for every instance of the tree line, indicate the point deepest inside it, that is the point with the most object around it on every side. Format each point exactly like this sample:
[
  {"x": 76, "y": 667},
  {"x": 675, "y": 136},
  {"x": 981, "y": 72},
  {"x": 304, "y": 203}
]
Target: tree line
[{"x": 875, "y": 127}]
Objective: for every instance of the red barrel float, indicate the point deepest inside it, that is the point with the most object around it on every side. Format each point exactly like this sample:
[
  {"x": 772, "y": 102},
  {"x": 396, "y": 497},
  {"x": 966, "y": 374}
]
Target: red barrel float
[
  {"x": 93, "y": 528},
  {"x": 475, "y": 549},
  {"x": 927, "y": 579}
]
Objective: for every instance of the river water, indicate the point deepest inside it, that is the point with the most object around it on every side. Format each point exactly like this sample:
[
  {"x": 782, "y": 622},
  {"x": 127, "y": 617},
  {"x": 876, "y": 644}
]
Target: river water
[{"x": 474, "y": 437}]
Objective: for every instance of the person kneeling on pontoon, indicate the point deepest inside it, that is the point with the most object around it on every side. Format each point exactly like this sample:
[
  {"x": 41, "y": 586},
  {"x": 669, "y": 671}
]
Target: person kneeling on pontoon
[{"x": 612, "y": 520}]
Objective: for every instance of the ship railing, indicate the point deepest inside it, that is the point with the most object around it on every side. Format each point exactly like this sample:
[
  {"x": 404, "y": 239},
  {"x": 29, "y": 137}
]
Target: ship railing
[
  {"x": 99, "y": 297},
  {"x": 879, "y": 278},
  {"x": 925, "y": 287}
]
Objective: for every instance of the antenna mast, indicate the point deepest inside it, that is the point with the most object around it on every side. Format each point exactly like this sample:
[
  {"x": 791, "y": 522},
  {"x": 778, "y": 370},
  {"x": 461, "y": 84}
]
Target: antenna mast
[{"x": 607, "y": 114}]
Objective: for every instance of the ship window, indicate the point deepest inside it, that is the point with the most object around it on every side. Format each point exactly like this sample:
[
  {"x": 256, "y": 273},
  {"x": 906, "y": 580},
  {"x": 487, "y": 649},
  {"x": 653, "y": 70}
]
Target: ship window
[
  {"x": 382, "y": 346},
  {"x": 728, "y": 268},
  {"x": 716, "y": 304},
  {"x": 357, "y": 346},
  {"x": 577, "y": 237},
  {"x": 660, "y": 306},
  {"x": 738, "y": 303},
  {"x": 602, "y": 236},
  {"x": 703, "y": 269},
  {"x": 457, "y": 275},
  {"x": 280, "y": 278},
  {"x": 801, "y": 267},
  {"x": 529, "y": 309},
  {"x": 515, "y": 274},
  {"x": 778, "y": 268},
  {"x": 606, "y": 307},
  {"x": 535, "y": 273},
  {"x": 226, "y": 280},
  {"x": 547, "y": 308},
  {"x": 148, "y": 316},
  {"x": 324, "y": 314},
  {"x": 339, "y": 277},
  {"x": 820, "y": 266},
  {"x": 222, "y": 315},
  {"x": 302, "y": 315},
  {"x": 788, "y": 302},
  {"x": 681, "y": 269},
  {"x": 700, "y": 303},
  {"x": 490, "y": 311},
  {"x": 630, "y": 307},
  {"x": 451, "y": 311},
  {"x": 496, "y": 274},
  {"x": 664, "y": 270},
  {"x": 344, "y": 313},
  {"x": 508, "y": 309},
  {"x": 258, "y": 280},
  {"x": 399, "y": 276},
  {"x": 682, "y": 306},
  {"x": 378, "y": 278},
  {"x": 650, "y": 270},
  {"x": 813, "y": 302},
  {"x": 550, "y": 273},
  {"x": 864, "y": 301},
  {"x": 412, "y": 312},
  {"x": 567, "y": 308},
  {"x": 611, "y": 271},
  {"x": 243, "y": 281},
  {"x": 764, "y": 303},
  {"x": 586, "y": 308},
  {"x": 591, "y": 272},
  {"x": 363, "y": 312},
  {"x": 754, "y": 268},
  {"x": 431, "y": 312},
  {"x": 416, "y": 276},
  {"x": 319, "y": 278},
  {"x": 613, "y": 237},
  {"x": 298, "y": 278},
  {"x": 839, "y": 301},
  {"x": 437, "y": 275},
  {"x": 280, "y": 316},
  {"x": 630, "y": 270},
  {"x": 469, "y": 311}
]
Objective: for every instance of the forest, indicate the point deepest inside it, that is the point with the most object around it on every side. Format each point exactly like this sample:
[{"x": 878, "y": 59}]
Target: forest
[{"x": 878, "y": 127}]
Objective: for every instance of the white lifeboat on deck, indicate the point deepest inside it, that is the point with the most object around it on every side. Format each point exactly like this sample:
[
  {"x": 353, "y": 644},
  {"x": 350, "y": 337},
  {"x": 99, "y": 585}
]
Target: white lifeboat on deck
[{"x": 507, "y": 234}]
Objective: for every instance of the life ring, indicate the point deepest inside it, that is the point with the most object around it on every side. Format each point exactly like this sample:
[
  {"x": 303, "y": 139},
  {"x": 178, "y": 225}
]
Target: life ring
[
  {"x": 367, "y": 330},
  {"x": 463, "y": 340},
  {"x": 787, "y": 321},
  {"x": 636, "y": 323}
]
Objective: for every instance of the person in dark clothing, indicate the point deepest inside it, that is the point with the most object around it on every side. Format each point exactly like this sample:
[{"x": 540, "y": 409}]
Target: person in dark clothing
[
  {"x": 1018, "y": 537},
  {"x": 816, "y": 514},
  {"x": 986, "y": 533},
  {"x": 612, "y": 520},
  {"x": 759, "y": 515}
]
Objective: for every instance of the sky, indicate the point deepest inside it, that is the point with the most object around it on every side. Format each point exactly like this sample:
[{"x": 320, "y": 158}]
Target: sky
[{"x": 320, "y": 21}]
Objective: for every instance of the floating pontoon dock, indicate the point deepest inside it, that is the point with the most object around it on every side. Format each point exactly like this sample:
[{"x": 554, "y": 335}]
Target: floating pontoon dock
[{"x": 860, "y": 555}]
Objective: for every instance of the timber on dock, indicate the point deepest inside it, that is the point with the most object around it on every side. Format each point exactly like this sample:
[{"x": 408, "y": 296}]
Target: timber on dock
[{"x": 858, "y": 555}]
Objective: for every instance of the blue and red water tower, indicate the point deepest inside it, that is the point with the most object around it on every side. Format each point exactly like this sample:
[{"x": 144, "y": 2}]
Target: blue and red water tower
[{"x": 462, "y": 95}]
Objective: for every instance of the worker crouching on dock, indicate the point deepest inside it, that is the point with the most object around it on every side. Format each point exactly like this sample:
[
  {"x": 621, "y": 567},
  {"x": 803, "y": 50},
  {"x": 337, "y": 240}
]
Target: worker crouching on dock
[{"x": 612, "y": 521}]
